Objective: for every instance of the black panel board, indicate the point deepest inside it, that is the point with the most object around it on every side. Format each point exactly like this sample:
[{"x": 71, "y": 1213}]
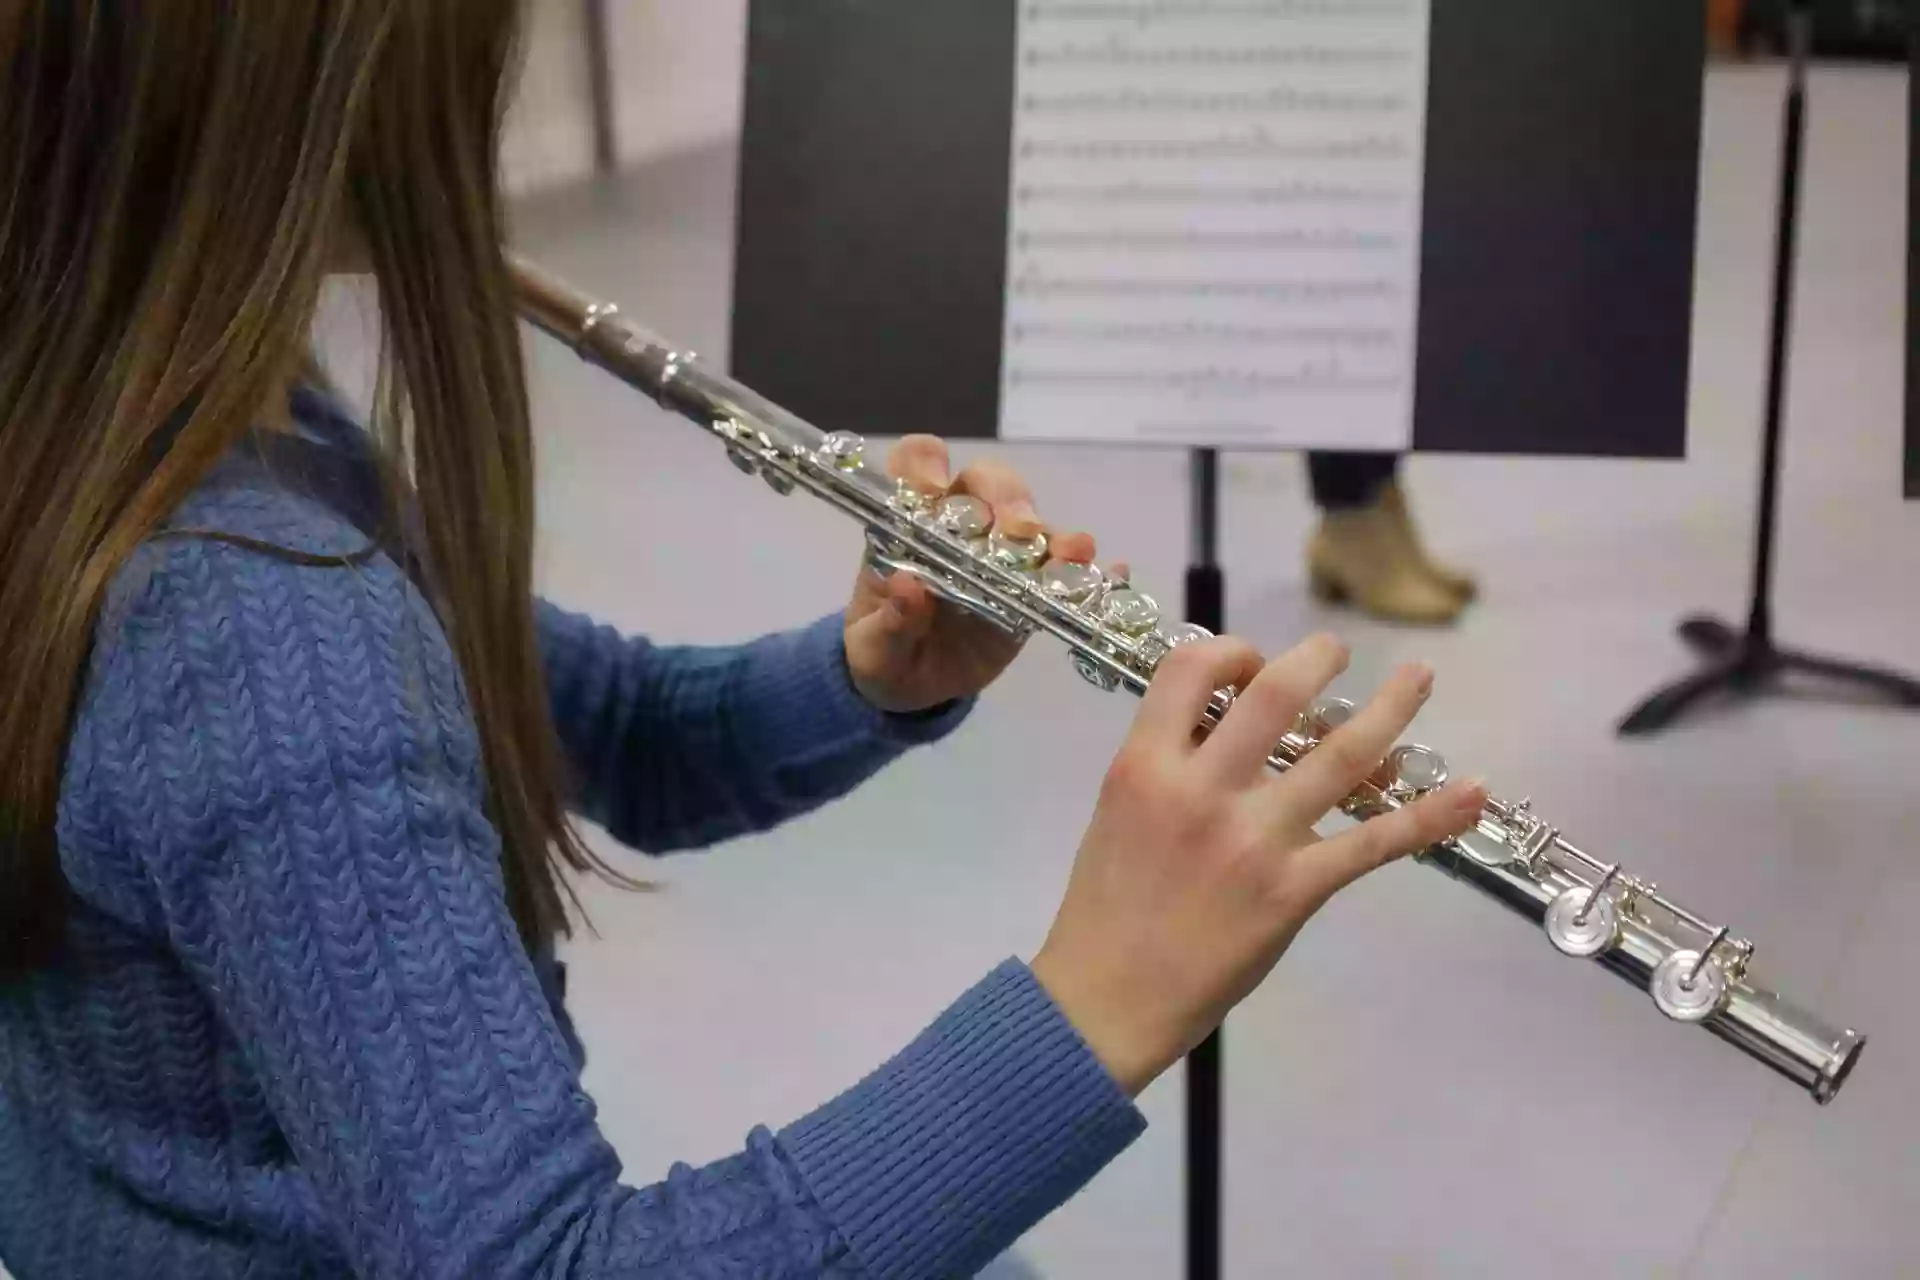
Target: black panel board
[{"x": 1558, "y": 245}]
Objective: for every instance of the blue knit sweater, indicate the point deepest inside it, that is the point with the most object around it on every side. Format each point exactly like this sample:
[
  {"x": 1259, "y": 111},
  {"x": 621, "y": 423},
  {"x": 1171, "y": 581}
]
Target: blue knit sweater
[{"x": 294, "y": 1032}]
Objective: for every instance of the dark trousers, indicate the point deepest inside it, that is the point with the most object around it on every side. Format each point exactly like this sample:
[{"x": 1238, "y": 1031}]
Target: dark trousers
[{"x": 1343, "y": 481}]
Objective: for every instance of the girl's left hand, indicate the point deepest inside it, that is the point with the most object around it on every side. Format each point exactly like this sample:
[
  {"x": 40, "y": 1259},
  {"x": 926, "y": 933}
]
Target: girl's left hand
[{"x": 910, "y": 652}]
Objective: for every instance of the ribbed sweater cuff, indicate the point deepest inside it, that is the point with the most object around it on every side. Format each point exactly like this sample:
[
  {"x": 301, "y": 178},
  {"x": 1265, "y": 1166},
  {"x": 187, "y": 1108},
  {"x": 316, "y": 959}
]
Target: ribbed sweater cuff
[
  {"x": 996, "y": 1115},
  {"x": 803, "y": 682}
]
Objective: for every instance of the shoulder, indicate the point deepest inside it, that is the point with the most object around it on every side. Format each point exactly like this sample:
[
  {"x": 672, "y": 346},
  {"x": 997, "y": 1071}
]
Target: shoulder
[
  {"x": 256, "y": 648},
  {"x": 313, "y": 490},
  {"x": 259, "y": 497},
  {"x": 275, "y": 505},
  {"x": 255, "y": 586},
  {"x": 243, "y": 560}
]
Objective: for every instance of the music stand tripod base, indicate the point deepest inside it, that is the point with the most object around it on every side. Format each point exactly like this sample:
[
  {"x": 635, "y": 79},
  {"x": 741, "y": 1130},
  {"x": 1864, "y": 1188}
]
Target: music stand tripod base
[{"x": 1744, "y": 665}]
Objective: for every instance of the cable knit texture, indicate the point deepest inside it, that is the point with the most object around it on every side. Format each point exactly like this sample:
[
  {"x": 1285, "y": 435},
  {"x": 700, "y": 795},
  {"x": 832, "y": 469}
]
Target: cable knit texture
[{"x": 294, "y": 1032}]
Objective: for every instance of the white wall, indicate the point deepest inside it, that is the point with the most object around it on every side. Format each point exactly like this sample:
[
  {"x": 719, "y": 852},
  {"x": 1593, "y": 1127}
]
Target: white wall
[{"x": 678, "y": 71}]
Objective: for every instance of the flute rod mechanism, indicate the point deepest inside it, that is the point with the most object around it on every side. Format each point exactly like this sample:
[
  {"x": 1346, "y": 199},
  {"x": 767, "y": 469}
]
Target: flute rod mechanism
[{"x": 1696, "y": 971}]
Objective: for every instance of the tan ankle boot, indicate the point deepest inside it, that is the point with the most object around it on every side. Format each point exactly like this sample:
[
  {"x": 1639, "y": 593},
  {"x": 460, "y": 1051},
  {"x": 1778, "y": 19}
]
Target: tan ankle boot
[
  {"x": 1360, "y": 557},
  {"x": 1457, "y": 581}
]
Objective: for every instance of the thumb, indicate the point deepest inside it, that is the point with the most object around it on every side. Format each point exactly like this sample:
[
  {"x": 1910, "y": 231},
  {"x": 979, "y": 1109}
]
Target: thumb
[{"x": 900, "y": 616}]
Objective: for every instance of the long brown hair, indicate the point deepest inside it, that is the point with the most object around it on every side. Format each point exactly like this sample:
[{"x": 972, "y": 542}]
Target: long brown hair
[{"x": 173, "y": 177}]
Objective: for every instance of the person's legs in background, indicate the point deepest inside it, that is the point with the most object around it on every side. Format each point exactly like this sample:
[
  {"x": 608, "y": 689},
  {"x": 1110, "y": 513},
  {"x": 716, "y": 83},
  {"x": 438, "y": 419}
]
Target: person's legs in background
[
  {"x": 1367, "y": 552},
  {"x": 1344, "y": 481}
]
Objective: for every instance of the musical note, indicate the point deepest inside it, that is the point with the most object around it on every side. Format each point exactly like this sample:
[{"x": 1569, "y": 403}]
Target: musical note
[{"x": 1216, "y": 200}]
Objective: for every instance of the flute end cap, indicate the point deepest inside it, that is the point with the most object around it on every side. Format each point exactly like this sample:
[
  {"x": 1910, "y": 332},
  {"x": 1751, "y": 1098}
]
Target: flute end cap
[{"x": 1845, "y": 1059}]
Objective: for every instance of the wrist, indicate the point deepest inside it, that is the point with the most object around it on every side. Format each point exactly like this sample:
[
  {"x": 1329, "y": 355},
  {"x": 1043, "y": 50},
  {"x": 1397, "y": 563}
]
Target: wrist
[
  {"x": 1113, "y": 1032},
  {"x": 896, "y": 709},
  {"x": 879, "y": 696}
]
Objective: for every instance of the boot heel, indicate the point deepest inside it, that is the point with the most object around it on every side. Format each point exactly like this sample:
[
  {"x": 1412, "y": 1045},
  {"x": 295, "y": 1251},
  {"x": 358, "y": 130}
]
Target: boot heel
[{"x": 1325, "y": 588}]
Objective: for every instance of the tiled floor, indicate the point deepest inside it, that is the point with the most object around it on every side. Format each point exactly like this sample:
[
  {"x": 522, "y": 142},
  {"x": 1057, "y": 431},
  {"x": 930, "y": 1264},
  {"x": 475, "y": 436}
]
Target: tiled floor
[{"x": 1425, "y": 1089}]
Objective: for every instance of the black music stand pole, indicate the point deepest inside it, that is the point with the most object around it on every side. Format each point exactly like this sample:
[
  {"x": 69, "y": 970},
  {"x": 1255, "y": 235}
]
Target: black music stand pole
[
  {"x": 606, "y": 143},
  {"x": 1206, "y": 606},
  {"x": 1746, "y": 664}
]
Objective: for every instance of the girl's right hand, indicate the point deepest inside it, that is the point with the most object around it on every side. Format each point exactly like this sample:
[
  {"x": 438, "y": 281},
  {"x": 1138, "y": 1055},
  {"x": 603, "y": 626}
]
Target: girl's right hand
[{"x": 1201, "y": 865}]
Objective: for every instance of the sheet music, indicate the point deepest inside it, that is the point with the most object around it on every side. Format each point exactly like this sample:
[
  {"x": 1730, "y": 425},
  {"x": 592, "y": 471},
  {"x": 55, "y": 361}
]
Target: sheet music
[{"x": 1215, "y": 229}]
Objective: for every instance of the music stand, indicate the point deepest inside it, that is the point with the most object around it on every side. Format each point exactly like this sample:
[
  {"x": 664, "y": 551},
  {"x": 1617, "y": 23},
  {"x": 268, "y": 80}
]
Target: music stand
[
  {"x": 1746, "y": 664},
  {"x": 871, "y": 286}
]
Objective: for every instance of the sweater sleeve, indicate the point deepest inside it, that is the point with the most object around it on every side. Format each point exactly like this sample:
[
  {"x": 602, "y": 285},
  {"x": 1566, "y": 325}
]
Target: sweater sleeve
[
  {"x": 682, "y": 747},
  {"x": 287, "y": 751}
]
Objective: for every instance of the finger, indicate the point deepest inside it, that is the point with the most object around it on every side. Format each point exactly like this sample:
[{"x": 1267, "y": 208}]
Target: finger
[
  {"x": 903, "y": 612},
  {"x": 912, "y": 601},
  {"x": 923, "y": 462},
  {"x": 1269, "y": 705},
  {"x": 1316, "y": 873},
  {"x": 1350, "y": 754},
  {"x": 1001, "y": 488},
  {"x": 1077, "y": 548},
  {"x": 1185, "y": 682}
]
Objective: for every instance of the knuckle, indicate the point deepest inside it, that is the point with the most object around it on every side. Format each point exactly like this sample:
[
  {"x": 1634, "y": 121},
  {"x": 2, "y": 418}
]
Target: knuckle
[
  {"x": 1177, "y": 664},
  {"x": 1356, "y": 844},
  {"x": 1273, "y": 712},
  {"x": 1241, "y": 846},
  {"x": 1277, "y": 696},
  {"x": 1435, "y": 819},
  {"x": 1134, "y": 770},
  {"x": 1375, "y": 842},
  {"x": 1347, "y": 757},
  {"x": 1236, "y": 666},
  {"x": 1287, "y": 893},
  {"x": 1386, "y": 839},
  {"x": 1151, "y": 786}
]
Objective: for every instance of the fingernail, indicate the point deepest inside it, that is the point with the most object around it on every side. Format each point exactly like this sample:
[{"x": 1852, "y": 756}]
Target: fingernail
[{"x": 1423, "y": 679}]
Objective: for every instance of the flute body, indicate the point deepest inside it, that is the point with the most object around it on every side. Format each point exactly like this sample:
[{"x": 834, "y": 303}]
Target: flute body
[{"x": 1697, "y": 972}]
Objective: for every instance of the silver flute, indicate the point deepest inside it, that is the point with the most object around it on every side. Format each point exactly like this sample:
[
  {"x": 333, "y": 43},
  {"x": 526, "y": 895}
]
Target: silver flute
[{"x": 1698, "y": 972}]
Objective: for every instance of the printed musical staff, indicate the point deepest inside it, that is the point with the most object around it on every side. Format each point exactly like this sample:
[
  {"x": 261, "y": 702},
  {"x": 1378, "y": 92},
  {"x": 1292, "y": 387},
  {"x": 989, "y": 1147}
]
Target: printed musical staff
[
  {"x": 1119, "y": 52},
  {"x": 1283, "y": 290},
  {"x": 1195, "y": 195},
  {"x": 1213, "y": 381},
  {"x": 1173, "y": 332},
  {"x": 1143, "y": 12},
  {"x": 1193, "y": 240},
  {"x": 1216, "y": 201},
  {"x": 1255, "y": 144},
  {"x": 1289, "y": 99}
]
